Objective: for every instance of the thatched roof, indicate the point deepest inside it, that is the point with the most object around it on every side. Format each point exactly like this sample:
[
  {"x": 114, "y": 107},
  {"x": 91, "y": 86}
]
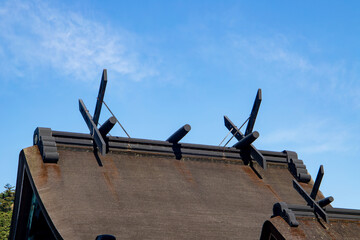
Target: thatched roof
[{"x": 139, "y": 189}]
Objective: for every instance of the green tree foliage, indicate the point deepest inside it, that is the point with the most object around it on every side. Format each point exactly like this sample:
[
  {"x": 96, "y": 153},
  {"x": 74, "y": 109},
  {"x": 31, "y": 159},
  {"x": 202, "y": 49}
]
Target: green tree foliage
[{"x": 6, "y": 206}]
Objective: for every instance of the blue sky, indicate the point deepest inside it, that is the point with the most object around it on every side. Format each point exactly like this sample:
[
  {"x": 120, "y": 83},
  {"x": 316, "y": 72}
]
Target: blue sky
[{"x": 176, "y": 62}]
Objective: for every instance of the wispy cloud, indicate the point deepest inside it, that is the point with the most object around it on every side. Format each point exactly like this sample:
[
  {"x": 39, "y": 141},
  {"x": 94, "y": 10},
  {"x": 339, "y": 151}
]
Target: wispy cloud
[
  {"x": 312, "y": 136},
  {"x": 38, "y": 35},
  {"x": 304, "y": 67},
  {"x": 272, "y": 50}
]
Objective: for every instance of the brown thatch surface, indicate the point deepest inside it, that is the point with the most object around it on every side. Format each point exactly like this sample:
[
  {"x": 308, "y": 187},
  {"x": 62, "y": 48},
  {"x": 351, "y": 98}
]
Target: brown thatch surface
[
  {"x": 153, "y": 196},
  {"x": 312, "y": 228}
]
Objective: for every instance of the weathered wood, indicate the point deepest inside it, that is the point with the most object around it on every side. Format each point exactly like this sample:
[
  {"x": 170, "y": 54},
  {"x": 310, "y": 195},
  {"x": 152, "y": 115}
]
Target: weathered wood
[
  {"x": 317, "y": 183},
  {"x": 247, "y": 140},
  {"x": 311, "y": 202},
  {"x": 179, "y": 134},
  {"x": 254, "y": 112},
  {"x": 107, "y": 126},
  {"x": 254, "y": 153},
  {"x": 100, "y": 97},
  {"x": 94, "y": 131}
]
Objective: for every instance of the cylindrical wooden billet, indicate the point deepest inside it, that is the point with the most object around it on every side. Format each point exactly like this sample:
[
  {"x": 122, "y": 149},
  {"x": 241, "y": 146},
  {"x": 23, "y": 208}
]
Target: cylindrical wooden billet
[
  {"x": 326, "y": 201},
  {"x": 179, "y": 134},
  {"x": 247, "y": 140},
  {"x": 107, "y": 126}
]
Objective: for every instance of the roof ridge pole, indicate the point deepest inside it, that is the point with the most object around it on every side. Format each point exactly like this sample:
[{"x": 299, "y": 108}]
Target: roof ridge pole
[
  {"x": 100, "y": 97},
  {"x": 254, "y": 112}
]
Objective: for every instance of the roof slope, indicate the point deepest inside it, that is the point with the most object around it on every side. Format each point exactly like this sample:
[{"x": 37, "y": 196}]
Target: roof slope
[
  {"x": 131, "y": 194},
  {"x": 309, "y": 228}
]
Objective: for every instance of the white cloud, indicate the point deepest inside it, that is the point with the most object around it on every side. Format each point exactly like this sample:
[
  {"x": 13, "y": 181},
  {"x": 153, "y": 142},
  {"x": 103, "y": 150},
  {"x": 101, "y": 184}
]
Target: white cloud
[
  {"x": 312, "y": 136},
  {"x": 279, "y": 59},
  {"x": 271, "y": 50},
  {"x": 37, "y": 35}
]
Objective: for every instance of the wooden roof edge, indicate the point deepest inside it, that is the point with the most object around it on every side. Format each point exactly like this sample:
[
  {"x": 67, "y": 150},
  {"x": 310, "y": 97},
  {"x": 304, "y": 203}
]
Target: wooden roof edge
[
  {"x": 81, "y": 139},
  {"x": 25, "y": 189},
  {"x": 48, "y": 140}
]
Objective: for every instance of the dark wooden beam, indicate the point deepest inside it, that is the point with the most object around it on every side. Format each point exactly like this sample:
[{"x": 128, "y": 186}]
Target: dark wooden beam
[
  {"x": 310, "y": 201},
  {"x": 254, "y": 112},
  {"x": 317, "y": 183},
  {"x": 94, "y": 131},
  {"x": 107, "y": 126},
  {"x": 247, "y": 140},
  {"x": 179, "y": 134},
  {"x": 254, "y": 153},
  {"x": 100, "y": 97}
]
